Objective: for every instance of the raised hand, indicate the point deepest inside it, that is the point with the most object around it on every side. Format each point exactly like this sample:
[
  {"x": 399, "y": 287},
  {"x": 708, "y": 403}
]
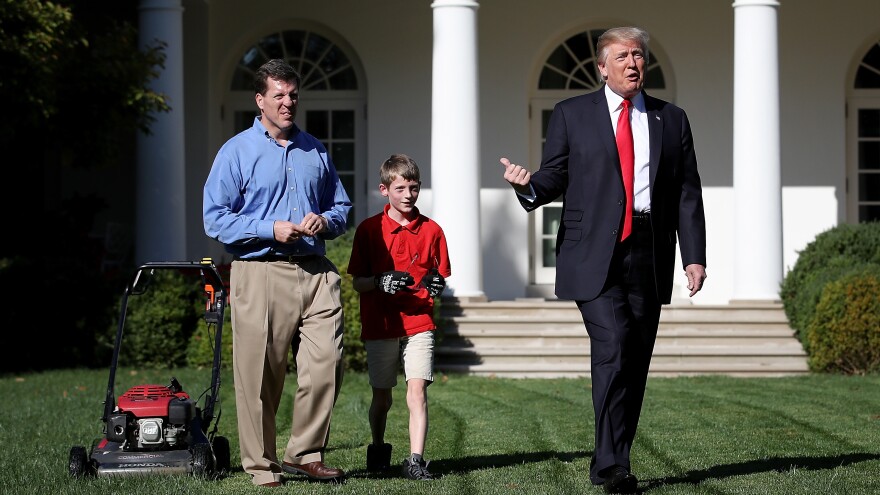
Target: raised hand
[{"x": 517, "y": 176}]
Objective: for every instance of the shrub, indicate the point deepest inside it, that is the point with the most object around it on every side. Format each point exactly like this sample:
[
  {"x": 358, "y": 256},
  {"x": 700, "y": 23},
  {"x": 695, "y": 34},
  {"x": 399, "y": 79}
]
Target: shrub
[
  {"x": 804, "y": 305},
  {"x": 831, "y": 251},
  {"x": 844, "y": 336},
  {"x": 353, "y": 352},
  {"x": 200, "y": 353},
  {"x": 159, "y": 321}
]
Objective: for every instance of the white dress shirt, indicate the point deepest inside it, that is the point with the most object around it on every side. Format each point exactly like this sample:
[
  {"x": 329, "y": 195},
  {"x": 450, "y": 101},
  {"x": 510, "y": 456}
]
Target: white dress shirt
[{"x": 641, "y": 145}]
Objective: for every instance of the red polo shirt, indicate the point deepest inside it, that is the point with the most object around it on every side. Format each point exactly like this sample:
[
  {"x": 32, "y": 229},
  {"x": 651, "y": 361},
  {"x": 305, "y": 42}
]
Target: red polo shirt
[{"x": 381, "y": 244}]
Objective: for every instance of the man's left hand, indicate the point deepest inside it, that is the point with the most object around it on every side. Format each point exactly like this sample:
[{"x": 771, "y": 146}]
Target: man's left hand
[
  {"x": 696, "y": 274},
  {"x": 313, "y": 224}
]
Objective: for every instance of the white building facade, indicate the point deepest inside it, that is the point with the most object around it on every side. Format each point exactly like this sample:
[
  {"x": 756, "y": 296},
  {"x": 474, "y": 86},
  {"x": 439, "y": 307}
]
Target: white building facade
[{"x": 783, "y": 98}]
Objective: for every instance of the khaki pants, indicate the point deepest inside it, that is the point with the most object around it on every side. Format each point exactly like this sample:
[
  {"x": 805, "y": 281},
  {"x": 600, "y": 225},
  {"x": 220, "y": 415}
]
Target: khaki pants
[{"x": 276, "y": 305}]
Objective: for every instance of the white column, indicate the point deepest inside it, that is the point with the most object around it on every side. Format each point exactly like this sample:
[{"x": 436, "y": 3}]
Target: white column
[
  {"x": 756, "y": 153},
  {"x": 161, "y": 224},
  {"x": 455, "y": 167}
]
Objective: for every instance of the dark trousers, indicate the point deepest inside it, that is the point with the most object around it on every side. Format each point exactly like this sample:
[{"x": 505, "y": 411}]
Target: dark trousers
[{"x": 622, "y": 325}]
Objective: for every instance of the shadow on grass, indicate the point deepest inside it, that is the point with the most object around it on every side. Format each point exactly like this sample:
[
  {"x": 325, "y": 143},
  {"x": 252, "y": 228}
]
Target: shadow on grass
[
  {"x": 778, "y": 464},
  {"x": 441, "y": 467}
]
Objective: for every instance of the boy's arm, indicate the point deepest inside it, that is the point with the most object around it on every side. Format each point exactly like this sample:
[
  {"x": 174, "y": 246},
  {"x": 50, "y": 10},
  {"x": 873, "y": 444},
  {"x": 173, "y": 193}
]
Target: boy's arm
[{"x": 363, "y": 284}]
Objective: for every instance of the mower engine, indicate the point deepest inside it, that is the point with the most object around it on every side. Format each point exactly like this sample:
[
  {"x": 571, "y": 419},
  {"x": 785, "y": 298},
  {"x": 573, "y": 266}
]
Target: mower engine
[{"x": 151, "y": 417}]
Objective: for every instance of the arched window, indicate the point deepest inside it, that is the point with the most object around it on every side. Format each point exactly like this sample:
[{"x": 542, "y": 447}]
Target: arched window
[
  {"x": 572, "y": 66},
  {"x": 863, "y": 139},
  {"x": 332, "y": 98},
  {"x": 321, "y": 63}
]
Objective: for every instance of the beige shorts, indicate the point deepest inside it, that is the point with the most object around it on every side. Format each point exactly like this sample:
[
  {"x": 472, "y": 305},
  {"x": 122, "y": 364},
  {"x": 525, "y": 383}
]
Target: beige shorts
[{"x": 384, "y": 357}]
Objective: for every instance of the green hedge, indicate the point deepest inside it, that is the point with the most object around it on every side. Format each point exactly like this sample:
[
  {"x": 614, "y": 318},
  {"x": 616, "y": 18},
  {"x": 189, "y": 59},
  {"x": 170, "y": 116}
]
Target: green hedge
[
  {"x": 845, "y": 334},
  {"x": 831, "y": 252},
  {"x": 834, "y": 260},
  {"x": 159, "y": 322}
]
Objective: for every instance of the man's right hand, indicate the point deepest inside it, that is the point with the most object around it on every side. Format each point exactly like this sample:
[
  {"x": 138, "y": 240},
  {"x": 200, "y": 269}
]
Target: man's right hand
[
  {"x": 393, "y": 281},
  {"x": 517, "y": 176}
]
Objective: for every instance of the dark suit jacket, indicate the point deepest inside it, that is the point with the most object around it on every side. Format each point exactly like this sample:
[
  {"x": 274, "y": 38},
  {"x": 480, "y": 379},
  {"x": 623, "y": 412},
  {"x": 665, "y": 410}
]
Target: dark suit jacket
[{"x": 580, "y": 162}]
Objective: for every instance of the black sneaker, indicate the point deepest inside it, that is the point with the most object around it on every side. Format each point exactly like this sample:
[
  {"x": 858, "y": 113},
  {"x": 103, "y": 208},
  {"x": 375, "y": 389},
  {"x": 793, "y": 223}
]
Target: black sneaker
[
  {"x": 416, "y": 469},
  {"x": 378, "y": 457}
]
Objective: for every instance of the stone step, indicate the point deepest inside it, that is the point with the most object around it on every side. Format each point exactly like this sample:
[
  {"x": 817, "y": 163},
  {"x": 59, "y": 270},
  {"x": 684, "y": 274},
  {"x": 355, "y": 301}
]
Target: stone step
[
  {"x": 534, "y": 337},
  {"x": 583, "y": 350},
  {"x": 582, "y": 369}
]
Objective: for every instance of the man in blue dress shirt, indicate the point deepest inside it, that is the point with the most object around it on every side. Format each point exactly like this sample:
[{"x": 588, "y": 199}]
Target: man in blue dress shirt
[{"x": 272, "y": 198}]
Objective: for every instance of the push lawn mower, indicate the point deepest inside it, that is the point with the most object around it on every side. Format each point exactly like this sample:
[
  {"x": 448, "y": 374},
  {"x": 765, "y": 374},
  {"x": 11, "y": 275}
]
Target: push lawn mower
[{"x": 155, "y": 429}]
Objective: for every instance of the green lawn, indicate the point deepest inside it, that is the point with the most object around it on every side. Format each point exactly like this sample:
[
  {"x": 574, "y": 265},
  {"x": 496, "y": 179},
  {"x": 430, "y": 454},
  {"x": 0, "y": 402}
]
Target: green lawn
[{"x": 707, "y": 435}]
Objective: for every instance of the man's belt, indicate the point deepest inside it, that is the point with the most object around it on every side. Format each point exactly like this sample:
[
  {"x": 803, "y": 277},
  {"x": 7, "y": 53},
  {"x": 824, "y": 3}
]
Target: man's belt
[
  {"x": 283, "y": 258},
  {"x": 641, "y": 218}
]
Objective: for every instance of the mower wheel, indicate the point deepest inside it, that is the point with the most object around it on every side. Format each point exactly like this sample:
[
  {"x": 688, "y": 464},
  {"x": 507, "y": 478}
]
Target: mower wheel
[
  {"x": 79, "y": 462},
  {"x": 222, "y": 455},
  {"x": 202, "y": 460}
]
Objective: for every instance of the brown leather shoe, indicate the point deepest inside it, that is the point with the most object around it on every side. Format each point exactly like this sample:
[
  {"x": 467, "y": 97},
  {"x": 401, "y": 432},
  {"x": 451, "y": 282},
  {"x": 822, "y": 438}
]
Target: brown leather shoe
[{"x": 314, "y": 470}]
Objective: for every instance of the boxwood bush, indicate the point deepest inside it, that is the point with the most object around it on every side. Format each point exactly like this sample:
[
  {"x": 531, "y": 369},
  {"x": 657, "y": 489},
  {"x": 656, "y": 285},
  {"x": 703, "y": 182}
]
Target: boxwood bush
[
  {"x": 831, "y": 252},
  {"x": 837, "y": 254},
  {"x": 844, "y": 335},
  {"x": 159, "y": 322}
]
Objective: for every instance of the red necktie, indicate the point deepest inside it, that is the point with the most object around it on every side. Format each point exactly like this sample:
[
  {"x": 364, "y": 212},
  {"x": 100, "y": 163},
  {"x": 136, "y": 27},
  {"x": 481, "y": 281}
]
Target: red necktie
[{"x": 627, "y": 163}]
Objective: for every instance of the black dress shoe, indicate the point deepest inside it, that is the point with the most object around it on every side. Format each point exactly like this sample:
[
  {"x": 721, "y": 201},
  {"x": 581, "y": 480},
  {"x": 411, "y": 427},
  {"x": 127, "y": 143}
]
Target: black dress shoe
[{"x": 620, "y": 480}]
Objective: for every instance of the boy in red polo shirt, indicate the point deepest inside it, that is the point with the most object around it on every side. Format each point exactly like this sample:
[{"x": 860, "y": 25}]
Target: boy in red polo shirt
[{"x": 391, "y": 251}]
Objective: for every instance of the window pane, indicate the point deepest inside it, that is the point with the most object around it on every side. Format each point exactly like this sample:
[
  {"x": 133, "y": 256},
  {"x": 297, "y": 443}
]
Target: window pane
[
  {"x": 344, "y": 80},
  {"x": 869, "y": 122},
  {"x": 869, "y": 213},
  {"x": 561, "y": 60},
  {"x": 343, "y": 156},
  {"x": 343, "y": 124},
  {"x": 333, "y": 61},
  {"x": 552, "y": 216},
  {"x": 545, "y": 119},
  {"x": 294, "y": 43},
  {"x": 550, "y": 79},
  {"x": 869, "y": 155},
  {"x": 869, "y": 187},
  {"x": 549, "y": 250},
  {"x": 348, "y": 184},
  {"x": 271, "y": 46},
  {"x": 868, "y": 75},
  {"x": 317, "y": 124},
  {"x": 654, "y": 78},
  {"x": 316, "y": 45}
]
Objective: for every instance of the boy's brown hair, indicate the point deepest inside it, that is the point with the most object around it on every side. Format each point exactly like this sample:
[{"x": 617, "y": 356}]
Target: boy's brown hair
[{"x": 399, "y": 165}]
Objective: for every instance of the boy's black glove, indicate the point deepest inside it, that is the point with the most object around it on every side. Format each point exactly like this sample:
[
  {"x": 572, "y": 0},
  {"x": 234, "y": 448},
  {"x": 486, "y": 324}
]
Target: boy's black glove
[
  {"x": 394, "y": 281},
  {"x": 434, "y": 282}
]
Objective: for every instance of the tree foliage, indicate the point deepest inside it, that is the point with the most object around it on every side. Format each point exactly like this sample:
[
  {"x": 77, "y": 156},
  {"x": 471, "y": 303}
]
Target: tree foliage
[
  {"x": 74, "y": 92},
  {"x": 73, "y": 69}
]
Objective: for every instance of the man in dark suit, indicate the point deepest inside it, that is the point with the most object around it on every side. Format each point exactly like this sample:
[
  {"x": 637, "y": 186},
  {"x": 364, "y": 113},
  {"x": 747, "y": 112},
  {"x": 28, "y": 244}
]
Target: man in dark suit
[{"x": 616, "y": 243}]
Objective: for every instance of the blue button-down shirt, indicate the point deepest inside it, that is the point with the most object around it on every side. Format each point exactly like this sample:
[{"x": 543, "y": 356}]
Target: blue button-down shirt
[{"x": 255, "y": 181}]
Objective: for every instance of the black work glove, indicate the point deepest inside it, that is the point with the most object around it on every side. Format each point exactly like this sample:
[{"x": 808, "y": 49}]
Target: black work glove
[
  {"x": 434, "y": 282},
  {"x": 394, "y": 281}
]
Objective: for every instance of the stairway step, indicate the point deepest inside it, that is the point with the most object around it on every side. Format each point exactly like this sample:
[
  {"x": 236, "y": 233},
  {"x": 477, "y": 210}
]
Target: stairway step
[
  {"x": 534, "y": 337},
  {"x": 574, "y": 370}
]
